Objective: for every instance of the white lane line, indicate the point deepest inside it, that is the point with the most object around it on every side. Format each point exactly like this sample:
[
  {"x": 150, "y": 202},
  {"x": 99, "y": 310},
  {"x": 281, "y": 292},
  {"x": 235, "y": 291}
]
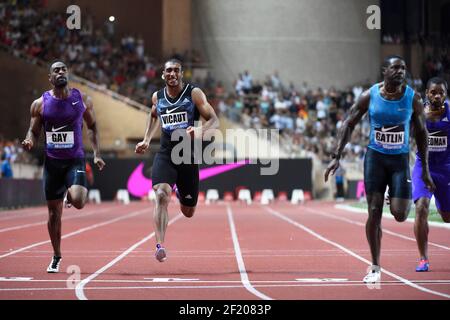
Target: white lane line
[
  {"x": 81, "y": 215},
  {"x": 240, "y": 260},
  {"x": 329, "y": 215},
  {"x": 389, "y": 216},
  {"x": 97, "y": 225},
  {"x": 220, "y": 281},
  {"x": 360, "y": 284},
  {"x": 406, "y": 281},
  {"x": 79, "y": 289}
]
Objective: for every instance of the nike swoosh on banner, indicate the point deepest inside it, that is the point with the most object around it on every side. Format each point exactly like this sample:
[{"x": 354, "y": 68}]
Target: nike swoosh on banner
[
  {"x": 139, "y": 185},
  {"x": 57, "y": 129}
]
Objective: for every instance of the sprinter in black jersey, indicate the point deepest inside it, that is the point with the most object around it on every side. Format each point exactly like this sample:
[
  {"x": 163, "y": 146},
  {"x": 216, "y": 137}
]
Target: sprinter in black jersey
[{"x": 176, "y": 107}]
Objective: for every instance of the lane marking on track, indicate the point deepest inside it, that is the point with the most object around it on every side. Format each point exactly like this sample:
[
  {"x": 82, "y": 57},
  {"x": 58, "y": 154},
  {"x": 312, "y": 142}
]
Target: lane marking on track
[
  {"x": 79, "y": 289},
  {"x": 239, "y": 286},
  {"x": 320, "y": 237},
  {"x": 171, "y": 280},
  {"x": 94, "y": 226},
  {"x": 240, "y": 260},
  {"x": 24, "y": 215},
  {"x": 389, "y": 216},
  {"x": 302, "y": 280},
  {"x": 81, "y": 215},
  {"x": 387, "y": 231}
]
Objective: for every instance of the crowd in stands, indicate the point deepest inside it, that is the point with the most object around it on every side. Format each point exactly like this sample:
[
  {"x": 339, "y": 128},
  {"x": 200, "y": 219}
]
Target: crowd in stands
[
  {"x": 121, "y": 65},
  {"x": 12, "y": 152},
  {"x": 308, "y": 119}
]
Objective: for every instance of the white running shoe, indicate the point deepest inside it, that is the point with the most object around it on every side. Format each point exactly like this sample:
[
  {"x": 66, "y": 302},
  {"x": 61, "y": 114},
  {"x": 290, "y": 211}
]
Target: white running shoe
[
  {"x": 53, "y": 267},
  {"x": 66, "y": 203},
  {"x": 374, "y": 275}
]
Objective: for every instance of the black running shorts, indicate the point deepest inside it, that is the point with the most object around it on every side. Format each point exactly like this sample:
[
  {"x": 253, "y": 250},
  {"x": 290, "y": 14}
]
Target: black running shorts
[
  {"x": 184, "y": 176},
  {"x": 59, "y": 175},
  {"x": 381, "y": 170}
]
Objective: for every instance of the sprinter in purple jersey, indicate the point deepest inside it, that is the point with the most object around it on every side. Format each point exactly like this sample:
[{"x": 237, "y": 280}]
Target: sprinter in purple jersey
[
  {"x": 437, "y": 114},
  {"x": 61, "y": 112}
]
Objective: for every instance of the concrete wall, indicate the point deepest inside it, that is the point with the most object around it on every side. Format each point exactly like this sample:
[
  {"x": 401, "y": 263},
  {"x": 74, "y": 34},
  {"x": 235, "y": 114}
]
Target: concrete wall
[
  {"x": 323, "y": 42},
  {"x": 176, "y": 26}
]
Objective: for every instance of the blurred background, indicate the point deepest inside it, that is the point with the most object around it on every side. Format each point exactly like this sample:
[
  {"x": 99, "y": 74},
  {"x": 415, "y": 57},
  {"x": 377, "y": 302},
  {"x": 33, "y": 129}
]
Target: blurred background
[{"x": 293, "y": 65}]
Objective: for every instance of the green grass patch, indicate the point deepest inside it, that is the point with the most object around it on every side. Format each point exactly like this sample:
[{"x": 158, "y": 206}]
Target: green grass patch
[{"x": 433, "y": 216}]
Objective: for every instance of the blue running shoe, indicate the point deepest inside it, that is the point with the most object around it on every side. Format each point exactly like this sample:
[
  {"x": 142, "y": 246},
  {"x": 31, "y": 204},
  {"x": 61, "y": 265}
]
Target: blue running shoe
[{"x": 423, "y": 265}]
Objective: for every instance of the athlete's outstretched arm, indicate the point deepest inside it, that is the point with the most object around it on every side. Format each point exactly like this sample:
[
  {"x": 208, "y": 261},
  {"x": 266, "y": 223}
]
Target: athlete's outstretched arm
[
  {"x": 206, "y": 111},
  {"x": 35, "y": 125},
  {"x": 421, "y": 134},
  {"x": 357, "y": 111},
  {"x": 150, "y": 130},
  {"x": 91, "y": 123}
]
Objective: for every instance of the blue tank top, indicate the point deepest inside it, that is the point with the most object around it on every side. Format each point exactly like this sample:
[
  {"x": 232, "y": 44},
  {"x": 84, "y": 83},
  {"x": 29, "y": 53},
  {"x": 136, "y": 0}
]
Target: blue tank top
[
  {"x": 390, "y": 121},
  {"x": 438, "y": 138},
  {"x": 175, "y": 113},
  {"x": 63, "y": 125}
]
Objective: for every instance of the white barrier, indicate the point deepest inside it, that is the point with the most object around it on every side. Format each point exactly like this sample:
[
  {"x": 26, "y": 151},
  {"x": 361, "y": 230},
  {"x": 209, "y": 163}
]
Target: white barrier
[
  {"x": 212, "y": 195},
  {"x": 123, "y": 196},
  {"x": 297, "y": 196},
  {"x": 267, "y": 196},
  {"x": 245, "y": 195},
  {"x": 94, "y": 196}
]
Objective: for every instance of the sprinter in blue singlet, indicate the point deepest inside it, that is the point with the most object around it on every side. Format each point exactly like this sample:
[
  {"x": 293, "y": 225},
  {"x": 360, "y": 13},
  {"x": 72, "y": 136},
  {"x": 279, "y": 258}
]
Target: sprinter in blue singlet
[{"x": 392, "y": 106}]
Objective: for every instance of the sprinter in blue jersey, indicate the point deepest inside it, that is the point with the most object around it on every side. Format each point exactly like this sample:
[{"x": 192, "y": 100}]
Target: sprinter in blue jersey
[
  {"x": 176, "y": 108},
  {"x": 437, "y": 113},
  {"x": 61, "y": 112},
  {"x": 392, "y": 106}
]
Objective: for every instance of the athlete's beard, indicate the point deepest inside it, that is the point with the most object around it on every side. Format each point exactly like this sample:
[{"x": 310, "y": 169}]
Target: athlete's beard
[{"x": 61, "y": 83}]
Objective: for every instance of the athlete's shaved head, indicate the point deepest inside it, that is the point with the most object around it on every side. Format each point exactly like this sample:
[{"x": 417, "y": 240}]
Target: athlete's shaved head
[
  {"x": 390, "y": 59},
  {"x": 438, "y": 81},
  {"x": 58, "y": 74}
]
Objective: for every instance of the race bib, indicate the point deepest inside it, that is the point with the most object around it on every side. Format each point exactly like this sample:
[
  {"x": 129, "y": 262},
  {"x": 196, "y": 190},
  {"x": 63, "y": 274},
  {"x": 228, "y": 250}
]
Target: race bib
[
  {"x": 60, "y": 140},
  {"x": 437, "y": 141},
  {"x": 391, "y": 137},
  {"x": 174, "y": 121}
]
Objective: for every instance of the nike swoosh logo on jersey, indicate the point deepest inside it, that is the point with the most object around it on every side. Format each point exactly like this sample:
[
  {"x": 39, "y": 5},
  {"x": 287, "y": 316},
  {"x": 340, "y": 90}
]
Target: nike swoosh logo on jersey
[
  {"x": 433, "y": 133},
  {"x": 170, "y": 111},
  {"x": 139, "y": 185},
  {"x": 383, "y": 129},
  {"x": 57, "y": 129},
  {"x": 74, "y": 103}
]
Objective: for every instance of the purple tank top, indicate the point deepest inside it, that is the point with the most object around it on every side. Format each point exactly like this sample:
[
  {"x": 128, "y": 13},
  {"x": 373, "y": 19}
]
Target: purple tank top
[
  {"x": 63, "y": 125},
  {"x": 438, "y": 139}
]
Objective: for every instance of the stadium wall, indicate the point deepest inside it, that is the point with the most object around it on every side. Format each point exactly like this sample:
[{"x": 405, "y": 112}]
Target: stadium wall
[{"x": 323, "y": 42}]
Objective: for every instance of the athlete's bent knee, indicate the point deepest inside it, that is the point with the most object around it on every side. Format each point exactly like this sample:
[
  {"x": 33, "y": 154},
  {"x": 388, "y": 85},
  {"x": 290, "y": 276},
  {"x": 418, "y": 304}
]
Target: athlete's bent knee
[
  {"x": 188, "y": 211},
  {"x": 162, "y": 198},
  {"x": 400, "y": 216}
]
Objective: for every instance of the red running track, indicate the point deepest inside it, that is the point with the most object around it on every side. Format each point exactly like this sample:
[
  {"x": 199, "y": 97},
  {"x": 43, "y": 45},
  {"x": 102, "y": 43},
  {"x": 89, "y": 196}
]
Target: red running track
[{"x": 227, "y": 251}]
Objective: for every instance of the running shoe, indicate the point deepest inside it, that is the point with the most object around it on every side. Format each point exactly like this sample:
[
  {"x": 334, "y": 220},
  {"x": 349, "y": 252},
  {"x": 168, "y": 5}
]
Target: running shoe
[
  {"x": 66, "y": 202},
  {"x": 53, "y": 267},
  {"x": 423, "y": 265},
  {"x": 160, "y": 253},
  {"x": 374, "y": 275}
]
